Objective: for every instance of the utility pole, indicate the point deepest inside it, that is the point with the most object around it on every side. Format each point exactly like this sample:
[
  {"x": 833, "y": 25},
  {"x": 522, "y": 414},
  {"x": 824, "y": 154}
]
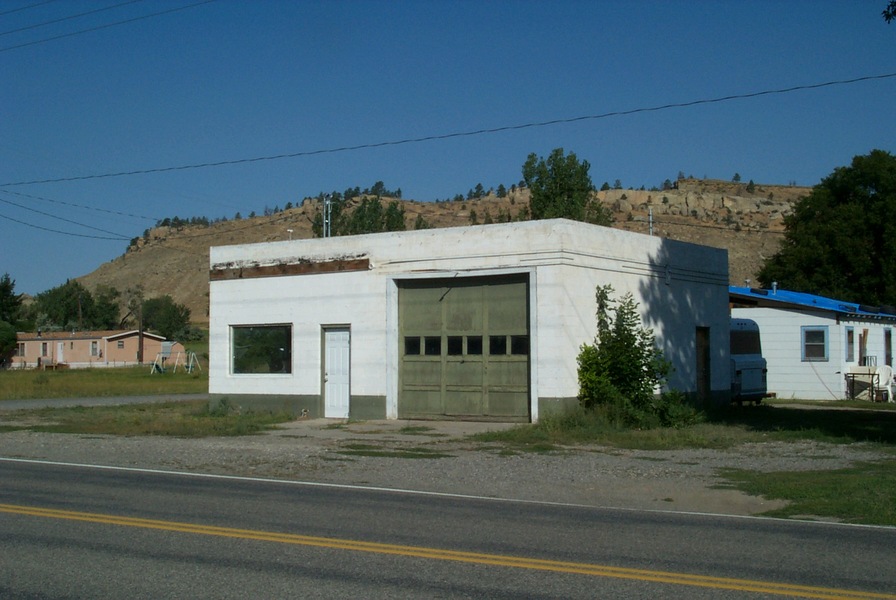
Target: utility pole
[
  {"x": 135, "y": 305},
  {"x": 328, "y": 213},
  {"x": 140, "y": 333}
]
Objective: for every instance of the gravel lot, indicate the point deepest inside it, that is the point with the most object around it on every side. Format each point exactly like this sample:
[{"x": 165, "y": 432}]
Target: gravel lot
[{"x": 331, "y": 451}]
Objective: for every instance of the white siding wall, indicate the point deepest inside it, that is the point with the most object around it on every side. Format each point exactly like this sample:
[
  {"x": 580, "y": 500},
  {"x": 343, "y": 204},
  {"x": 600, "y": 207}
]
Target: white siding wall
[
  {"x": 875, "y": 344},
  {"x": 791, "y": 377},
  {"x": 678, "y": 286}
]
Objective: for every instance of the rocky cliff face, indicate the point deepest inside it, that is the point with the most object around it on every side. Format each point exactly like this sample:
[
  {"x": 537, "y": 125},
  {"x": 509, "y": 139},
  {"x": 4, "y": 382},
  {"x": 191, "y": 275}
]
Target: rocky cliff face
[{"x": 745, "y": 219}]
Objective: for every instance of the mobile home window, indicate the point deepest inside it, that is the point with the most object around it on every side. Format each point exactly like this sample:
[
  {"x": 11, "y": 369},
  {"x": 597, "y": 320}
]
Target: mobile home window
[
  {"x": 20, "y": 349},
  {"x": 850, "y": 344},
  {"x": 94, "y": 348},
  {"x": 888, "y": 347},
  {"x": 815, "y": 343},
  {"x": 43, "y": 349},
  {"x": 261, "y": 349}
]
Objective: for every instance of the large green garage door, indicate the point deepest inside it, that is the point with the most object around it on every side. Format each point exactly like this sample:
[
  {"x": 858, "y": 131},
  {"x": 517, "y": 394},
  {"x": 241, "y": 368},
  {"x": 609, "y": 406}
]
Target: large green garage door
[{"x": 464, "y": 348}]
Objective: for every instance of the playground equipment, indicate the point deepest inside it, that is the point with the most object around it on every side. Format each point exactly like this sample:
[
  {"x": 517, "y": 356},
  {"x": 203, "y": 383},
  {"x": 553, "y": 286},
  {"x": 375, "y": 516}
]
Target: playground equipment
[{"x": 187, "y": 361}]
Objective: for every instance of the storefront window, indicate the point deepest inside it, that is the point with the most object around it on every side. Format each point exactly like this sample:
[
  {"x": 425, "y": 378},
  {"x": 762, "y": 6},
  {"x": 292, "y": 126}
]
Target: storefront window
[{"x": 261, "y": 349}]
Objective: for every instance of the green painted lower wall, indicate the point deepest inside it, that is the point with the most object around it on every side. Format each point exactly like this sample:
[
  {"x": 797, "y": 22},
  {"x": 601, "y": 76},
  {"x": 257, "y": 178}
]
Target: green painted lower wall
[
  {"x": 295, "y": 405},
  {"x": 360, "y": 407},
  {"x": 547, "y": 406},
  {"x": 365, "y": 408}
]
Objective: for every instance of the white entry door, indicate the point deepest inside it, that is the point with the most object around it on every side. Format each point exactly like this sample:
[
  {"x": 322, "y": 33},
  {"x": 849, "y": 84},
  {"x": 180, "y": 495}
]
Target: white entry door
[
  {"x": 337, "y": 372},
  {"x": 60, "y": 352}
]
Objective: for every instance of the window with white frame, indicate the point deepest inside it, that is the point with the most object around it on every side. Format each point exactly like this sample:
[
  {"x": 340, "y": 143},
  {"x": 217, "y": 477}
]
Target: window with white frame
[
  {"x": 814, "y": 343},
  {"x": 261, "y": 349},
  {"x": 94, "y": 348},
  {"x": 44, "y": 349},
  {"x": 850, "y": 344},
  {"x": 20, "y": 349}
]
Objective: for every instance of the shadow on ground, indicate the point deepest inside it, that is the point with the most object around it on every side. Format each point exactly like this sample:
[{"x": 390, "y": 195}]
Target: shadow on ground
[{"x": 831, "y": 424}]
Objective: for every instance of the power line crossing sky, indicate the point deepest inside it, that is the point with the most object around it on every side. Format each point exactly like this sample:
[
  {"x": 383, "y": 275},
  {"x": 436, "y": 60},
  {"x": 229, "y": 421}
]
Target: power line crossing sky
[{"x": 117, "y": 114}]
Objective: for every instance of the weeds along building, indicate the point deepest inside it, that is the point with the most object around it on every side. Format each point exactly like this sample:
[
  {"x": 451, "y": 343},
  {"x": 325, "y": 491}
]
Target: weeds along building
[{"x": 479, "y": 322}]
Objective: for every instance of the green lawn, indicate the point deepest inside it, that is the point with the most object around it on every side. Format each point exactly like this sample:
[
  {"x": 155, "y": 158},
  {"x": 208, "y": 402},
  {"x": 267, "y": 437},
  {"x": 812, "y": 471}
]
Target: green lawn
[
  {"x": 178, "y": 419},
  {"x": 100, "y": 382}
]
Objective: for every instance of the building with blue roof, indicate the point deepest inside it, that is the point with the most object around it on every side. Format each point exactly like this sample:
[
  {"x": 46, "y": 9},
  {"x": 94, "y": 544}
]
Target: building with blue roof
[{"x": 820, "y": 348}]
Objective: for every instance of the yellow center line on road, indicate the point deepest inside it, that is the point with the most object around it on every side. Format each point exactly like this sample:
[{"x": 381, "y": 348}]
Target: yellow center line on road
[{"x": 782, "y": 589}]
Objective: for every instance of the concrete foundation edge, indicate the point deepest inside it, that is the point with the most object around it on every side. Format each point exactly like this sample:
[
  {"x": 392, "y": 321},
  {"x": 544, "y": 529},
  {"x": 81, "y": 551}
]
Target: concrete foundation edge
[
  {"x": 310, "y": 406},
  {"x": 367, "y": 408},
  {"x": 552, "y": 406}
]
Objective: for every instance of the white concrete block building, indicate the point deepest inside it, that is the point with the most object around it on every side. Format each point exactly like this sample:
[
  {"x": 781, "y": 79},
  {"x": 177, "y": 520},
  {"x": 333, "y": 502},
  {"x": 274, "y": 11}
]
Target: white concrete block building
[{"x": 479, "y": 322}]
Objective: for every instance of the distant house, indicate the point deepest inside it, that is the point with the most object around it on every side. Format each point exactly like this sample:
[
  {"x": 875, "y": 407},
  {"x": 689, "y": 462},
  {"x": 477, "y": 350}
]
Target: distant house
[
  {"x": 79, "y": 349},
  {"x": 819, "y": 348}
]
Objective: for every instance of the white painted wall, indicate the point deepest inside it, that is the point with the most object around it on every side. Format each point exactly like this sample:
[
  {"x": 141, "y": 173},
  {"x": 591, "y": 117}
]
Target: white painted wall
[
  {"x": 308, "y": 303},
  {"x": 788, "y": 375},
  {"x": 678, "y": 286}
]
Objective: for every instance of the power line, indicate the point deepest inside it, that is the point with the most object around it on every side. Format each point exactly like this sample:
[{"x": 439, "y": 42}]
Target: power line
[
  {"x": 95, "y": 237},
  {"x": 69, "y": 18},
  {"x": 35, "y": 5},
  {"x": 72, "y": 204},
  {"x": 40, "y": 212},
  {"x": 459, "y": 134},
  {"x": 120, "y": 237},
  {"x": 106, "y": 26}
]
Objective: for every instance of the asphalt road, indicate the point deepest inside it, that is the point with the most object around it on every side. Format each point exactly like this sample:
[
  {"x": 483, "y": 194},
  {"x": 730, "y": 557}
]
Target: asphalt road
[{"x": 84, "y": 532}]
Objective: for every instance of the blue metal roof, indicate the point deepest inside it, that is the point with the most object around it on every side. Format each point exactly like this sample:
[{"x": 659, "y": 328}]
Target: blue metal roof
[{"x": 800, "y": 299}]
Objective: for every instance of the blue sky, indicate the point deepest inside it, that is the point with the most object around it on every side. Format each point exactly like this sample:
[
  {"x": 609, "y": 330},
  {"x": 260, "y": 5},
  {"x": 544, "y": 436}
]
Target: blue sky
[{"x": 229, "y": 80}]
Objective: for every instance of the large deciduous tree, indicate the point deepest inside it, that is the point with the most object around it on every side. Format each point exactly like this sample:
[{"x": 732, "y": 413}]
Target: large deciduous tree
[
  {"x": 106, "y": 309},
  {"x": 165, "y": 316},
  {"x": 840, "y": 240},
  {"x": 560, "y": 187},
  {"x": 72, "y": 306},
  {"x": 67, "y": 306}
]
